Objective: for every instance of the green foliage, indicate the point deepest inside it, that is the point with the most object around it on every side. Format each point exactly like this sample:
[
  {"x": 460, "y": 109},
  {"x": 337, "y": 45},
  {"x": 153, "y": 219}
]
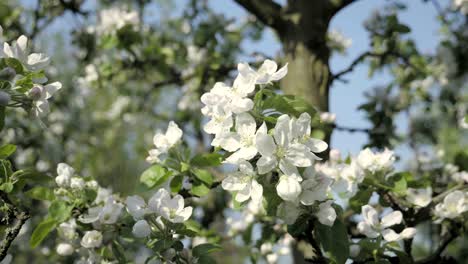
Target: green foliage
[
  {"x": 334, "y": 240},
  {"x": 40, "y": 193},
  {"x": 154, "y": 176},
  {"x": 41, "y": 231},
  {"x": 207, "y": 160},
  {"x": 7, "y": 150}
]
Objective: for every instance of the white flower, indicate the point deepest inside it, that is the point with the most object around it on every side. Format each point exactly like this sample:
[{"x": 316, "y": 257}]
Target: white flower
[
  {"x": 243, "y": 182},
  {"x": 461, "y": 176},
  {"x": 103, "y": 195},
  {"x": 64, "y": 249},
  {"x": 376, "y": 162},
  {"x": 92, "y": 239},
  {"x": 462, "y": 5},
  {"x": 107, "y": 214},
  {"x": 454, "y": 204},
  {"x": 77, "y": 183},
  {"x": 326, "y": 214},
  {"x": 419, "y": 197},
  {"x": 327, "y": 118},
  {"x": 65, "y": 173},
  {"x": 288, "y": 212},
  {"x": 281, "y": 150},
  {"x": 110, "y": 212},
  {"x": 34, "y": 61},
  {"x": 116, "y": 18},
  {"x": 288, "y": 188},
  {"x": 301, "y": 130},
  {"x": 265, "y": 74},
  {"x": 171, "y": 209},
  {"x": 243, "y": 141},
  {"x": 141, "y": 229},
  {"x": 314, "y": 187},
  {"x": 136, "y": 206},
  {"x": 92, "y": 184},
  {"x": 164, "y": 142},
  {"x": 67, "y": 230},
  {"x": 40, "y": 94},
  {"x": 372, "y": 227},
  {"x": 155, "y": 201}
]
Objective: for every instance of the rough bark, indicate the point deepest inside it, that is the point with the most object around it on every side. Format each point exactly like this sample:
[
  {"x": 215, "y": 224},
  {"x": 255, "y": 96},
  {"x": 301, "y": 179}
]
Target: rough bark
[{"x": 302, "y": 27}]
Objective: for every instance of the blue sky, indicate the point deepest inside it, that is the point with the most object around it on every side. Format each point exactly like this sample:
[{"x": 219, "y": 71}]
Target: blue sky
[{"x": 346, "y": 97}]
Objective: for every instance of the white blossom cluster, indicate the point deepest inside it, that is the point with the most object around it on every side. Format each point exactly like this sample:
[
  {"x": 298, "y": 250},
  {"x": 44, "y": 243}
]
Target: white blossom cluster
[
  {"x": 33, "y": 63},
  {"x": 159, "y": 205},
  {"x": 104, "y": 210},
  {"x": 115, "y": 18}
]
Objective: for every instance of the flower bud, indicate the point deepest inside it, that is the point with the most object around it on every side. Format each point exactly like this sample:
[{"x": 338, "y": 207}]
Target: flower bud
[
  {"x": 64, "y": 249},
  {"x": 92, "y": 239},
  {"x": 35, "y": 92},
  {"x": 7, "y": 73},
  {"x": 4, "y": 98},
  {"x": 77, "y": 183},
  {"x": 169, "y": 254}
]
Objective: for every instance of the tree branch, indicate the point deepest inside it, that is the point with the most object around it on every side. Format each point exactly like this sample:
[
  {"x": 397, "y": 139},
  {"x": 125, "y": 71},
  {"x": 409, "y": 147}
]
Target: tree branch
[
  {"x": 342, "y": 4},
  {"x": 12, "y": 232},
  {"x": 365, "y": 55},
  {"x": 267, "y": 11}
]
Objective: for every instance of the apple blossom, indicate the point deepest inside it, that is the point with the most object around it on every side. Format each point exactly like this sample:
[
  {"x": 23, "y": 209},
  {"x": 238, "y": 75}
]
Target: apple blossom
[
  {"x": 243, "y": 141},
  {"x": 164, "y": 142},
  {"x": 314, "y": 187},
  {"x": 281, "y": 150},
  {"x": 244, "y": 184},
  {"x": 65, "y": 249},
  {"x": 289, "y": 188},
  {"x": 174, "y": 210},
  {"x": 141, "y": 229},
  {"x": 136, "y": 206},
  {"x": 419, "y": 197},
  {"x": 65, "y": 173},
  {"x": 453, "y": 205},
  {"x": 40, "y": 94},
  {"x": 92, "y": 239},
  {"x": 372, "y": 227},
  {"x": 376, "y": 162},
  {"x": 267, "y": 72},
  {"x": 326, "y": 213},
  {"x": 34, "y": 61}
]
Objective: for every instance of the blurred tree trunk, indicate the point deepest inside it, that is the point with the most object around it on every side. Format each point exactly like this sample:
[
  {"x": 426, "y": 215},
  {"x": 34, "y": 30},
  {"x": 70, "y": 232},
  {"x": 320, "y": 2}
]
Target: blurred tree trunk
[{"x": 302, "y": 27}]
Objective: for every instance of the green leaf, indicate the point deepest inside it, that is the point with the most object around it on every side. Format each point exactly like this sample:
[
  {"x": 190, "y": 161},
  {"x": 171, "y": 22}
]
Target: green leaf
[
  {"x": 60, "y": 211},
  {"x": 361, "y": 198},
  {"x": 7, "y": 150},
  {"x": 119, "y": 252},
  {"x": 41, "y": 193},
  {"x": 205, "y": 249},
  {"x": 41, "y": 231},
  {"x": 334, "y": 240},
  {"x": 399, "y": 183},
  {"x": 271, "y": 201},
  {"x": 176, "y": 183},
  {"x": 161, "y": 244},
  {"x": 15, "y": 64},
  {"x": 207, "y": 160},
  {"x": 199, "y": 189},
  {"x": 155, "y": 176},
  {"x": 204, "y": 176}
]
